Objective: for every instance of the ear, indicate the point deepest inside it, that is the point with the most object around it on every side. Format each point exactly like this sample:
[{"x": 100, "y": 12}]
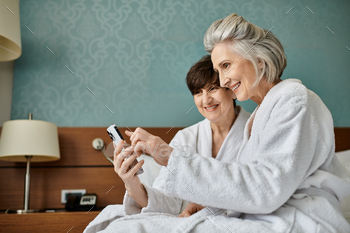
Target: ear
[
  {"x": 233, "y": 95},
  {"x": 261, "y": 63}
]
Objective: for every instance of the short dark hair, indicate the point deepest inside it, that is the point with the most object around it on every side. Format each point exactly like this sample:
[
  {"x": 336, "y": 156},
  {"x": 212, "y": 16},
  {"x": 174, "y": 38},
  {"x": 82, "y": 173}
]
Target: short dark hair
[{"x": 202, "y": 75}]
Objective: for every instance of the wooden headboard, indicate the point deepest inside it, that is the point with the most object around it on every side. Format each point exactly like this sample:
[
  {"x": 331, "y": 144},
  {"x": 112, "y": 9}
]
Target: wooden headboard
[{"x": 81, "y": 167}]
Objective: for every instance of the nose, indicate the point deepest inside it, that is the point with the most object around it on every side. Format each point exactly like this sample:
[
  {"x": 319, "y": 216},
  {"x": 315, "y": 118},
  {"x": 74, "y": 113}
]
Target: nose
[
  {"x": 207, "y": 98},
  {"x": 224, "y": 82}
]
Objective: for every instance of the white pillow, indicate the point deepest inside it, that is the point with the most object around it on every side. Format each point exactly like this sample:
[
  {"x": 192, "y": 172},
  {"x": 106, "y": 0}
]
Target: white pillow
[{"x": 344, "y": 158}]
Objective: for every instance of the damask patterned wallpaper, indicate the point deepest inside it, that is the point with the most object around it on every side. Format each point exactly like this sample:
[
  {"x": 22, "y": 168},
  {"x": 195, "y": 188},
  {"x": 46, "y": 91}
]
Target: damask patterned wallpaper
[{"x": 97, "y": 62}]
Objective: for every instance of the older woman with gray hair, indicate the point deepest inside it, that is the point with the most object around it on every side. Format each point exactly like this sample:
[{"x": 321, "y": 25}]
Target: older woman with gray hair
[
  {"x": 286, "y": 171},
  {"x": 285, "y": 177}
]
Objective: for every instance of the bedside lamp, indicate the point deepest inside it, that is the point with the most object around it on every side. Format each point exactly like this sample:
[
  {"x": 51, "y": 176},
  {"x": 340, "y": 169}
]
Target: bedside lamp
[
  {"x": 29, "y": 141},
  {"x": 10, "y": 30}
]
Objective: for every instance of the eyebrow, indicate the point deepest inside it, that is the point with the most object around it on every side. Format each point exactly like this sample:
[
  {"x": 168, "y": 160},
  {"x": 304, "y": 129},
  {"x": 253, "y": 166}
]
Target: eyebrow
[{"x": 222, "y": 62}]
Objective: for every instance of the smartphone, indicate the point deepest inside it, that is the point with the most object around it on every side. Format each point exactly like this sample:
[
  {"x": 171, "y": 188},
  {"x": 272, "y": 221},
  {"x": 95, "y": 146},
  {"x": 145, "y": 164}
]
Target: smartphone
[{"x": 116, "y": 136}]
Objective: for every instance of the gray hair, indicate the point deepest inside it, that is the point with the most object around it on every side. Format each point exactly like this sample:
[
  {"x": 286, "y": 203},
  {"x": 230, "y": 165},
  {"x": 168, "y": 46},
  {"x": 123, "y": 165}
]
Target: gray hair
[{"x": 250, "y": 42}]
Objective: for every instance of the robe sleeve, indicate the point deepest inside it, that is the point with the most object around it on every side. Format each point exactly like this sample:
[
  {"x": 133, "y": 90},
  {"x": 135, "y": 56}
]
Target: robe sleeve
[
  {"x": 158, "y": 201},
  {"x": 265, "y": 175}
]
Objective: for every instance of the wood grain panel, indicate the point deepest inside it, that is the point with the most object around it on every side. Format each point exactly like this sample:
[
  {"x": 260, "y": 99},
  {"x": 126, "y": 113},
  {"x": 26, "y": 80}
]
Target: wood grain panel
[
  {"x": 73, "y": 222},
  {"x": 76, "y": 146},
  {"x": 47, "y": 183}
]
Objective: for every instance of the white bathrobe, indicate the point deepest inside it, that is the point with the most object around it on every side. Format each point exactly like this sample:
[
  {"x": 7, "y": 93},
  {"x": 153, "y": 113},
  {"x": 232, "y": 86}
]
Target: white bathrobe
[
  {"x": 284, "y": 179},
  {"x": 194, "y": 139}
]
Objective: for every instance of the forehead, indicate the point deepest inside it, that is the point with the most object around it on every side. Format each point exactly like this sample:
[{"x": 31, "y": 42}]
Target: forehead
[
  {"x": 206, "y": 84},
  {"x": 221, "y": 53}
]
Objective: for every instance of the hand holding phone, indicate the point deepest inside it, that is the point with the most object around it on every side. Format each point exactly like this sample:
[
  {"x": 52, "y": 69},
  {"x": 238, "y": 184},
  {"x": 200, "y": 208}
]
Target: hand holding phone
[{"x": 116, "y": 136}]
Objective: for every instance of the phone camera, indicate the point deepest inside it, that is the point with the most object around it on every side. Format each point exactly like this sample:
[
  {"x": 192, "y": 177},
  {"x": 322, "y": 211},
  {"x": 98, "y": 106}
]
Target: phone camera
[{"x": 112, "y": 136}]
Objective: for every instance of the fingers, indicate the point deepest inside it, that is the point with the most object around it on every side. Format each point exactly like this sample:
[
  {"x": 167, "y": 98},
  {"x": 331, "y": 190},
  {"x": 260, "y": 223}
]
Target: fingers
[
  {"x": 117, "y": 160},
  {"x": 135, "y": 168},
  {"x": 184, "y": 214},
  {"x": 191, "y": 208},
  {"x": 128, "y": 133},
  {"x": 140, "y": 148},
  {"x": 120, "y": 156},
  {"x": 138, "y": 135},
  {"x": 127, "y": 157},
  {"x": 144, "y": 142},
  {"x": 119, "y": 147},
  {"x": 187, "y": 214},
  {"x": 129, "y": 167}
]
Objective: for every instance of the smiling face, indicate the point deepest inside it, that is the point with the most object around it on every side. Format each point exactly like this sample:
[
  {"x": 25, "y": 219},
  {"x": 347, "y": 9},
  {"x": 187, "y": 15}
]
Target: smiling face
[
  {"x": 235, "y": 72},
  {"x": 214, "y": 103}
]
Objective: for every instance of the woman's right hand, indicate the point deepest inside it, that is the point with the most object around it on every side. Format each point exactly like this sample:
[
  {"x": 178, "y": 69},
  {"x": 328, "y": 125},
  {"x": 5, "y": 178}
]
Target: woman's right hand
[
  {"x": 191, "y": 209},
  {"x": 147, "y": 143},
  {"x": 121, "y": 166}
]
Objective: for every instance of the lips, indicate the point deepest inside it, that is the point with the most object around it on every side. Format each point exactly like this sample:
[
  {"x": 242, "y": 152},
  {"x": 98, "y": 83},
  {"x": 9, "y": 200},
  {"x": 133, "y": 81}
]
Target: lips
[
  {"x": 235, "y": 87},
  {"x": 211, "y": 108}
]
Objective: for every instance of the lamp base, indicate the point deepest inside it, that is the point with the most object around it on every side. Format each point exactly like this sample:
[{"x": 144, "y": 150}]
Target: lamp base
[
  {"x": 27, "y": 211},
  {"x": 8, "y": 211}
]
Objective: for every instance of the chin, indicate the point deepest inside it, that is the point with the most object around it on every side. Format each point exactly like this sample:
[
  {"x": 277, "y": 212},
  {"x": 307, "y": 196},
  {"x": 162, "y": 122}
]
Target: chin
[
  {"x": 240, "y": 98},
  {"x": 209, "y": 118},
  {"x": 212, "y": 119}
]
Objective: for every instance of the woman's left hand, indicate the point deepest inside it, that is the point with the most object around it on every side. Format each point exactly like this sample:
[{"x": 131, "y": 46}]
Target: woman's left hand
[
  {"x": 122, "y": 162},
  {"x": 144, "y": 142},
  {"x": 191, "y": 209}
]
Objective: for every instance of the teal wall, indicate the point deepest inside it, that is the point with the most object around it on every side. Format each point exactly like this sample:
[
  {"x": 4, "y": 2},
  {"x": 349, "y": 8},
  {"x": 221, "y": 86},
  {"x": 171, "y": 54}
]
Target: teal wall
[{"x": 133, "y": 56}]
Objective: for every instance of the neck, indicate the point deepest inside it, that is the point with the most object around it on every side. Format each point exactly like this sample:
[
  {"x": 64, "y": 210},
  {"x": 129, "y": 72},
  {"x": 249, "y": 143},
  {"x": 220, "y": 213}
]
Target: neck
[
  {"x": 262, "y": 89},
  {"x": 223, "y": 126}
]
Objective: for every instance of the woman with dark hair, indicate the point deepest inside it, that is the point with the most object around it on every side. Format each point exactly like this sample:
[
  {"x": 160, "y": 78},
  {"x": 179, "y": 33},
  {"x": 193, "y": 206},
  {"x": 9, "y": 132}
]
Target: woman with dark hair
[{"x": 220, "y": 131}]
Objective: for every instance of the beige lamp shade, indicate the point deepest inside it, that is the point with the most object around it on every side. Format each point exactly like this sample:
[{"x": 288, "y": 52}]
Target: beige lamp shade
[
  {"x": 29, "y": 137},
  {"x": 10, "y": 30}
]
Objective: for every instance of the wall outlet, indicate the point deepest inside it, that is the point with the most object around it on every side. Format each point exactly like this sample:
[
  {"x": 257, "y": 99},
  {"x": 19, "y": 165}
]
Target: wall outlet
[{"x": 65, "y": 192}]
